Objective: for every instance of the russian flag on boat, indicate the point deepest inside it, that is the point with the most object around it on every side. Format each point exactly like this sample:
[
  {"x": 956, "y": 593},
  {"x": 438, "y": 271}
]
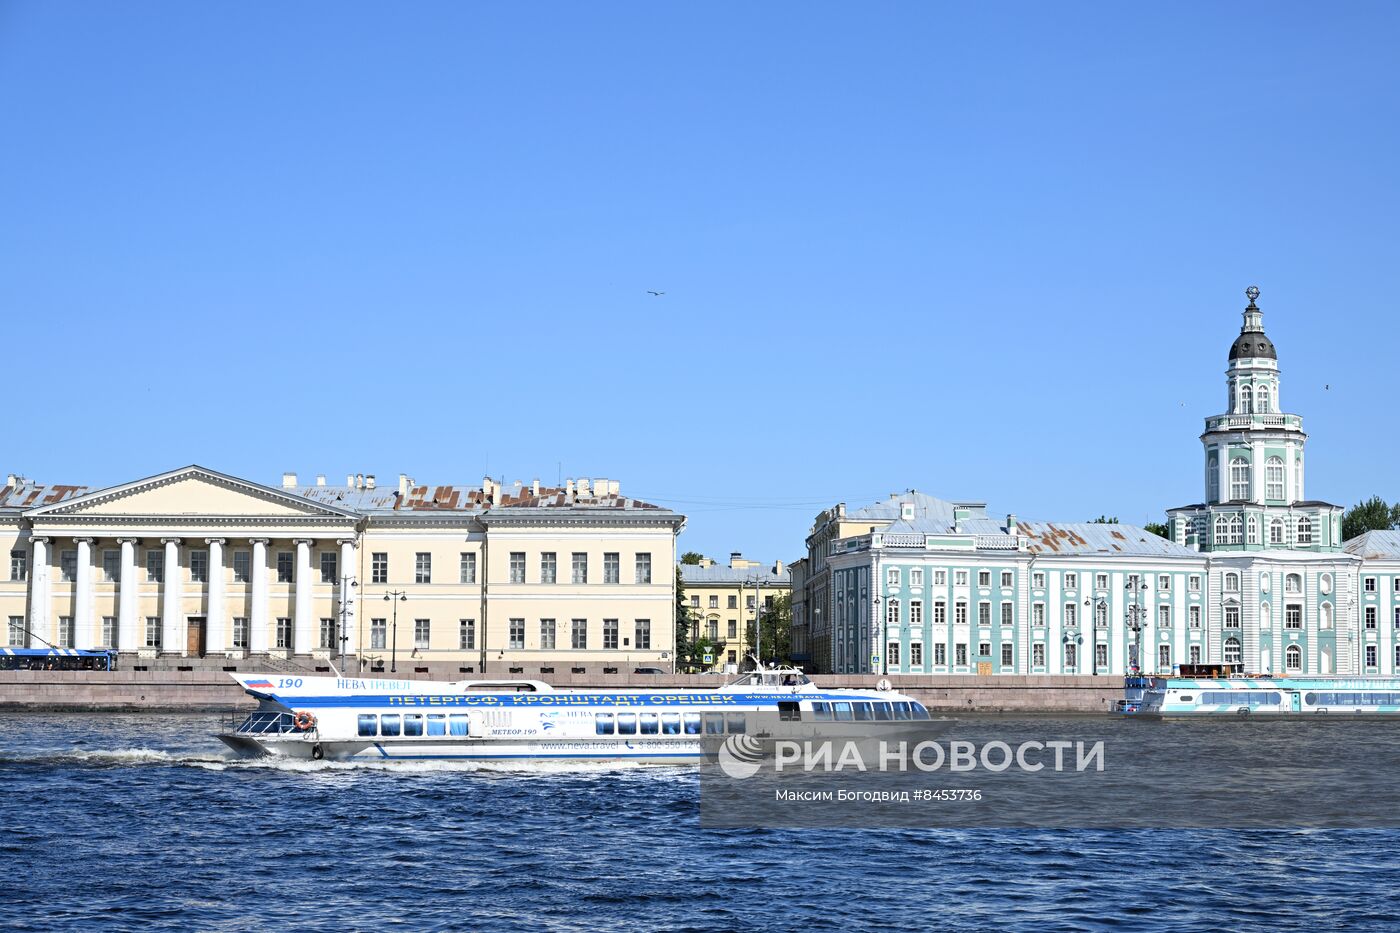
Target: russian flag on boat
[{"x": 258, "y": 684}]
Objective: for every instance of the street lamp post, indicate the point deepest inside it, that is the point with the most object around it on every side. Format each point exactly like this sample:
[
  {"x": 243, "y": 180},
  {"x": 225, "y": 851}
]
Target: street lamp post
[
  {"x": 395, "y": 597},
  {"x": 1134, "y": 611},
  {"x": 1078, "y": 642},
  {"x": 347, "y": 583},
  {"x": 880, "y": 638}
]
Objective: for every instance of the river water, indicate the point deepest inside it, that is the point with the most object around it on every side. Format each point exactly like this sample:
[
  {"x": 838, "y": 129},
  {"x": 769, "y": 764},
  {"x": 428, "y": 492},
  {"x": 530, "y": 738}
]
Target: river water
[{"x": 143, "y": 822}]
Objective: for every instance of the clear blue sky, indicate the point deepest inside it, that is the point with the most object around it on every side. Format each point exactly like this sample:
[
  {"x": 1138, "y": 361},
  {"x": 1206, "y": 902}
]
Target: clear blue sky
[{"x": 987, "y": 251}]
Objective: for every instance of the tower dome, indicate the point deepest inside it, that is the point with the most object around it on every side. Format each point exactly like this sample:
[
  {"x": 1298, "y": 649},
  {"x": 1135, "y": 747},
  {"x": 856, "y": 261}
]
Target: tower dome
[{"x": 1253, "y": 343}]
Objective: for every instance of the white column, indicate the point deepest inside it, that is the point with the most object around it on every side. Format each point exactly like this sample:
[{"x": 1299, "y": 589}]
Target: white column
[
  {"x": 303, "y": 625},
  {"x": 127, "y": 596},
  {"x": 82, "y": 596},
  {"x": 257, "y": 617},
  {"x": 1256, "y": 469},
  {"x": 39, "y": 593},
  {"x": 346, "y": 616},
  {"x": 170, "y": 616},
  {"x": 215, "y": 637}
]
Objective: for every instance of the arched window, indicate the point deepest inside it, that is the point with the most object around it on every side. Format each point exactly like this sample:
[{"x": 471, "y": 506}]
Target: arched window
[
  {"x": 1293, "y": 583},
  {"x": 1235, "y": 527},
  {"x": 1246, "y": 400},
  {"x": 1232, "y": 583},
  {"x": 1232, "y": 650},
  {"x": 1273, "y": 477},
  {"x": 1305, "y": 531},
  {"x": 1222, "y": 530},
  {"x": 1276, "y": 531},
  {"x": 1263, "y": 404},
  {"x": 892, "y": 612},
  {"x": 1293, "y": 658},
  {"x": 1239, "y": 478},
  {"x": 1253, "y": 531}
]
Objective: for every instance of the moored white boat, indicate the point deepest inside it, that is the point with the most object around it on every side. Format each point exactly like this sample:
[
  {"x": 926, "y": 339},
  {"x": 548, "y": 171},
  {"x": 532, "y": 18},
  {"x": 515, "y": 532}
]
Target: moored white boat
[
  {"x": 1223, "y": 691},
  {"x": 379, "y": 719}
]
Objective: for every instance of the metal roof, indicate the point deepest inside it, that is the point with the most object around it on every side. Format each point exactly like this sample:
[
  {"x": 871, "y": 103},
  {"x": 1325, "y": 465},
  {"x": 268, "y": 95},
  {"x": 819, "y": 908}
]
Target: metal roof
[
  {"x": 1375, "y": 545},
  {"x": 1086, "y": 538},
  {"x": 695, "y": 574},
  {"x": 31, "y": 495}
]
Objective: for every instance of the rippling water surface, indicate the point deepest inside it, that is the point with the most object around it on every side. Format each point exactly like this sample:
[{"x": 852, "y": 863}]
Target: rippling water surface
[{"x": 143, "y": 822}]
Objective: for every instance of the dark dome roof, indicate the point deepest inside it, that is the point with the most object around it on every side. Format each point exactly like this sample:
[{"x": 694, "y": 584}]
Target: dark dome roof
[{"x": 1253, "y": 344}]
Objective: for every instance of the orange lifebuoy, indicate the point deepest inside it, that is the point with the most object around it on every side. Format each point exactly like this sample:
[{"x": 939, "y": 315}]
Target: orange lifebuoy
[{"x": 304, "y": 721}]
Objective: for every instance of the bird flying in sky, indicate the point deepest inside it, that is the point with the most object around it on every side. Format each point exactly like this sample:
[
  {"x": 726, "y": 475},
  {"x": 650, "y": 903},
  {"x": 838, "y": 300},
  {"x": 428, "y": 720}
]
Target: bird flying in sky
[{"x": 655, "y": 294}]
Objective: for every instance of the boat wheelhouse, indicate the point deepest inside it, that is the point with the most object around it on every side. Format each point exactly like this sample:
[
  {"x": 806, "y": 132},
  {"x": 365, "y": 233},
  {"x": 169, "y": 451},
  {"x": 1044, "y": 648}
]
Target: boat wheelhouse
[{"x": 343, "y": 718}]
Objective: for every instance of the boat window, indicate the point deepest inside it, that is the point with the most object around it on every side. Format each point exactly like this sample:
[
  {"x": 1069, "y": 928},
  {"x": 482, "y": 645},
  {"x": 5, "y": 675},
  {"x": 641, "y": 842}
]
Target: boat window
[
  {"x": 842, "y": 711},
  {"x": 884, "y": 712},
  {"x": 789, "y": 712},
  {"x": 714, "y": 723},
  {"x": 389, "y": 725},
  {"x": 457, "y": 724},
  {"x": 437, "y": 724},
  {"x": 626, "y": 723},
  {"x": 736, "y": 722},
  {"x": 603, "y": 723},
  {"x": 648, "y": 724},
  {"x": 369, "y": 724},
  {"x": 670, "y": 723},
  {"x": 919, "y": 711},
  {"x": 821, "y": 711},
  {"x": 863, "y": 712},
  {"x": 1187, "y": 698},
  {"x": 901, "y": 710},
  {"x": 1310, "y": 698},
  {"x": 1275, "y": 697},
  {"x": 692, "y": 723},
  {"x": 413, "y": 724}
]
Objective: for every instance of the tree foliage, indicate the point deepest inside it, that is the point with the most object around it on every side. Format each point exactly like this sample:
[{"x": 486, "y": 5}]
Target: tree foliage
[
  {"x": 1158, "y": 529},
  {"x": 692, "y": 558},
  {"x": 1104, "y": 520},
  {"x": 775, "y": 625},
  {"x": 1372, "y": 515}
]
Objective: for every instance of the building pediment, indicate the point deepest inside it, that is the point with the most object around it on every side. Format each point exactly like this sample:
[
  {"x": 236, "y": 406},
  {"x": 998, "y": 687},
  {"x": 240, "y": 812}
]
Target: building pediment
[{"x": 192, "y": 491}]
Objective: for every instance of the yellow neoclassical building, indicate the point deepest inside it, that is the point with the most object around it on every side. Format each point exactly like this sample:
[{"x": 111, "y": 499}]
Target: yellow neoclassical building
[
  {"x": 195, "y": 563},
  {"x": 723, "y": 601}
]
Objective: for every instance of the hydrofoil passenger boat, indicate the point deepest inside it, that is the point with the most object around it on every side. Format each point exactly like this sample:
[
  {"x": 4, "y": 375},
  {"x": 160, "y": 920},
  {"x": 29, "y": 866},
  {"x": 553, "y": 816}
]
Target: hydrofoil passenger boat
[
  {"x": 385, "y": 719},
  {"x": 1222, "y": 690}
]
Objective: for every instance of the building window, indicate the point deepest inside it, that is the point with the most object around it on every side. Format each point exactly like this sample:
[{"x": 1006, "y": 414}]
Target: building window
[
  {"x": 960, "y": 613},
  {"x": 1193, "y": 583},
  {"x": 733, "y": 630},
  {"x": 1214, "y": 483},
  {"x": 1194, "y": 654},
  {"x": 1100, "y": 657},
  {"x": 1370, "y": 616},
  {"x": 242, "y": 567},
  {"x": 714, "y": 602},
  {"x": 892, "y": 576},
  {"x": 984, "y": 649},
  {"x": 748, "y": 603},
  {"x": 1293, "y": 658},
  {"x": 1006, "y": 613},
  {"x": 1276, "y": 531},
  {"x": 379, "y": 567},
  {"x": 984, "y": 578},
  {"x": 111, "y": 566},
  {"x": 610, "y": 633},
  {"x": 378, "y": 634},
  {"x": 1239, "y": 479},
  {"x": 1071, "y": 655},
  {"x": 940, "y": 578},
  {"x": 18, "y": 636},
  {"x": 1246, "y": 399},
  {"x": 109, "y": 632},
  {"x": 1193, "y": 616},
  {"x": 1293, "y": 616},
  {"x": 1006, "y": 579},
  {"x": 1071, "y": 581},
  {"x": 1293, "y": 583},
  {"x": 960, "y": 654},
  {"x": 1397, "y": 617},
  {"x": 1253, "y": 531},
  {"x": 892, "y": 654},
  {"x": 284, "y": 632},
  {"x": 1232, "y": 583},
  {"x": 285, "y": 566},
  {"x": 940, "y": 612},
  {"x": 1038, "y": 615},
  {"x": 916, "y": 612},
  {"x": 1038, "y": 580},
  {"x": 711, "y": 629},
  {"x": 1273, "y": 478},
  {"x": 423, "y": 567},
  {"x": 1006, "y": 655},
  {"x": 960, "y": 577},
  {"x": 517, "y": 566},
  {"x": 1164, "y": 582},
  {"x": 152, "y": 631},
  {"x": 1263, "y": 408},
  {"x": 517, "y": 634},
  {"x": 916, "y": 577},
  {"x": 580, "y": 567},
  {"x": 1164, "y": 657},
  {"x": 19, "y": 566},
  {"x": 643, "y": 568},
  {"x": 695, "y": 600},
  {"x": 1232, "y": 650},
  {"x": 1071, "y": 614},
  {"x": 732, "y": 602},
  {"x": 891, "y": 612},
  {"x": 327, "y": 634},
  {"x": 644, "y": 634},
  {"x": 422, "y": 633},
  {"x": 612, "y": 567},
  {"x": 1369, "y": 584},
  {"x": 1370, "y": 655},
  {"x": 68, "y": 566},
  {"x": 1101, "y": 614},
  {"x": 1164, "y": 616},
  {"x": 578, "y": 633},
  {"x": 916, "y": 653},
  {"x": 1305, "y": 531},
  {"x": 328, "y": 566},
  {"x": 240, "y": 632},
  {"x": 549, "y": 567},
  {"x": 1038, "y": 655},
  {"x": 1101, "y": 581},
  {"x": 940, "y": 655},
  {"x": 466, "y": 568},
  {"x": 466, "y": 635}
]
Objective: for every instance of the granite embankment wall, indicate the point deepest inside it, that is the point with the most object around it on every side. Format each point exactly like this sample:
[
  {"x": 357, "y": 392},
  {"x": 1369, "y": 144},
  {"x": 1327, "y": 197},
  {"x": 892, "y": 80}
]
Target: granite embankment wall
[{"x": 205, "y": 690}]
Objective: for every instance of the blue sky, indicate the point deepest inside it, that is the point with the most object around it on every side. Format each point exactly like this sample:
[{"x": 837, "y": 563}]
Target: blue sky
[{"x": 986, "y": 251}]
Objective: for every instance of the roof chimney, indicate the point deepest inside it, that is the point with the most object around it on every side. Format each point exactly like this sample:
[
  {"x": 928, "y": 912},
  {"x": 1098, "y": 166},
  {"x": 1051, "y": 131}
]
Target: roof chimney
[
  {"x": 840, "y": 510},
  {"x": 600, "y": 488},
  {"x": 582, "y": 488},
  {"x": 289, "y": 480},
  {"x": 403, "y": 485},
  {"x": 359, "y": 481},
  {"x": 735, "y": 558},
  {"x": 777, "y": 568},
  {"x": 320, "y": 479},
  {"x": 369, "y": 481},
  {"x": 535, "y": 487},
  {"x": 1011, "y": 523},
  {"x": 569, "y": 490},
  {"x": 350, "y": 480},
  {"x": 10, "y": 480},
  {"x": 614, "y": 488}
]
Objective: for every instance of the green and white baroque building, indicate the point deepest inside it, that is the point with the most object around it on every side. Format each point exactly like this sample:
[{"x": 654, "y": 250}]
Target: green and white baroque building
[{"x": 1256, "y": 574}]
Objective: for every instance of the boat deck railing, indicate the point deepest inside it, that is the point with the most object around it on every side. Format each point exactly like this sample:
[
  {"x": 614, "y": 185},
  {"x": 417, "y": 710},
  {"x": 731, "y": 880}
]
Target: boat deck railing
[{"x": 261, "y": 722}]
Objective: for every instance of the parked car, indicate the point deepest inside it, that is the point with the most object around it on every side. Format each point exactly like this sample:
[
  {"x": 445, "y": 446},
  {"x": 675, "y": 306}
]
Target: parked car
[{"x": 649, "y": 670}]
